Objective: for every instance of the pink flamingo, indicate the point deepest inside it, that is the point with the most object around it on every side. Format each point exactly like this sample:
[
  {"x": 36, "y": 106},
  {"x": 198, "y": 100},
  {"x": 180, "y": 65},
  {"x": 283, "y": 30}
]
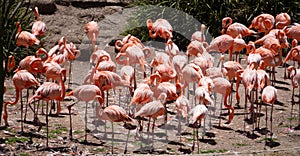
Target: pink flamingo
[
  {"x": 85, "y": 93},
  {"x": 200, "y": 35},
  {"x": 161, "y": 28},
  {"x": 235, "y": 29},
  {"x": 293, "y": 31},
  {"x": 25, "y": 38},
  {"x": 21, "y": 79},
  {"x": 38, "y": 28},
  {"x": 269, "y": 95},
  {"x": 50, "y": 91},
  {"x": 282, "y": 20},
  {"x": 263, "y": 23},
  {"x": 114, "y": 113},
  {"x": 92, "y": 31}
]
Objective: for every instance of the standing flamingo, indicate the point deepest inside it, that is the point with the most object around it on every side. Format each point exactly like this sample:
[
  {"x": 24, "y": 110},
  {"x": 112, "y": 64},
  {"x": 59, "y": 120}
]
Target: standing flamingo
[
  {"x": 269, "y": 95},
  {"x": 235, "y": 29},
  {"x": 171, "y": 48},
  {"x": 50, "y": 91},
  {"x": 263, "y": 23},
  {"x": 22, "y": 79},
  {"x": 200, "y": 35},
  {"x": 85, "y": 93},
  {"x": 38, "y": 28},
  {"x": 199, "y": 113},
  {"x": 223, "y": 87},
  {"x": 295, "y": 78},
  {"x": 25, "y": 38},
  {"x": 114, "y": 113},
  {"x": 92, "y": 31}
]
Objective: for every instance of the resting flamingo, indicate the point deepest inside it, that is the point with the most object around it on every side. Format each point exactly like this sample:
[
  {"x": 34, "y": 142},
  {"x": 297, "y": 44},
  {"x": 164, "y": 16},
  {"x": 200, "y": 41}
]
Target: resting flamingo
[
  {"x": 161, "y": 28},
  {"x": 200, "y": 35},
  {"x": 235, "y": 29},
  {"x": 293, "y": 31},
  {"x": 263, "y": 23},
  {"x": 282, "y": 20},
  {"x": 91, "y": 30}
]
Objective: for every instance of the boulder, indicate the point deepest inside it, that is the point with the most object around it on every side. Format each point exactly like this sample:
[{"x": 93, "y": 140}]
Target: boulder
[{"x": 45, "y": 6}]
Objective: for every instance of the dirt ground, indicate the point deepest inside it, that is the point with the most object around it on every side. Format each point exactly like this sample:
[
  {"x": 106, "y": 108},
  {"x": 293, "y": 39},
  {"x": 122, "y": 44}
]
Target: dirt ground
[{"x": 229, "y": 139}]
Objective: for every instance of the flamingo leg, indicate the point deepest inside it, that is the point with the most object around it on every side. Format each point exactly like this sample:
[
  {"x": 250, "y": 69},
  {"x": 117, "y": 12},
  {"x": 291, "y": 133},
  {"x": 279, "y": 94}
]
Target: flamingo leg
[
  {"x": 112, "y": 138},
  {"x": 271, "y": 120},
  {"x": 85, "y": 118},
  {"x": 21, "y": 112},
  {"x": 149, "y": 124},
  {"x": 125, "y": 150},
  {"x": 47, "y": 128}
]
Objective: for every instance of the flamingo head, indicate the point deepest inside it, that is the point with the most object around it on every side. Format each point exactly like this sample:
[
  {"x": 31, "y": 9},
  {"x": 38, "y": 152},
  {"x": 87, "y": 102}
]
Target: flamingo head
[{"x": 149, "y": 24}]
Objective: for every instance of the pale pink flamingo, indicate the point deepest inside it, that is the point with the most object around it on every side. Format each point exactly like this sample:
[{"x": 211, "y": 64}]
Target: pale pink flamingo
[
  {"x": 21, "y": 79},
  {"x": 238, "y": 45},
  {"x": 171, "y": 48},
  {"x": 166, "y": 71},
  {"x": 182, "y": 108},
  {"x": 25, "y": 38},
  {"x": 133, "y": 55},
  {"x": 128, "y": 39},
  {"x": 97, "y": 54},
  {"x": 282, "y": 20},
  {"x": 161, "y": 28},
  {"x": 214, "y": 72},
  {"x": 159, "y": 58},
  {"x": 91, "y": 30},
  {"x": 179, "y": 61},
  {"x": 221, "y": 44},
  {"x": 203, "y": 61},
  {"x": 195, "y": 48},
  {"x": 223, "y": 87},
  {"x": 127, "y": 73},
  {"x": 84, "y": 93},
  {"x": 38, "y": 28},
  {"x": 114, "y": 113},
  {"x": 199, "y": 113},
  {"x": 200, "y": 35},
  {"x": 235, "y": 29},
  {"x": 32, "y": 64},
  {"x": 269, "y": 95},
  {"x": 295, "y": 79}
]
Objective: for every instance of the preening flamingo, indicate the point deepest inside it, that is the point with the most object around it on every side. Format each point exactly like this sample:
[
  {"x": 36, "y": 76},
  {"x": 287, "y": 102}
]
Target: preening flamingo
[
  {"x": 171, "y": 48},
  {"x": 25, "y": 38},
  {"x": 282, "y": 20},
  {"x": 21, "y": 79},
  {"x": 161, "y": 28},
  {"x": 39, "y": 27},
  {"x": 263, "y": 23},
  {"x": 200, "y": 35},
  {"x": 85, "y": 93}
]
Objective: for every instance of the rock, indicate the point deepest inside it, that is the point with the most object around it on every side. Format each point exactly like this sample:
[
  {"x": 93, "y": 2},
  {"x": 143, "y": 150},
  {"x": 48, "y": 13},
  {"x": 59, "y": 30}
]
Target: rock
[
  {"x": 45, "y": 6},
  {"x": 63, "y": 2}
]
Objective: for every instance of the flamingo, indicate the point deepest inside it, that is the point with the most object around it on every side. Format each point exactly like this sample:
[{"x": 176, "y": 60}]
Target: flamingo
[
  {"x": 171, "y": 48},
  {"x": 235, "y": 29},
  {"x": 134, "y": 55},
  {"x": 128, "y": 39},
  {"x": 200, "y": 35},
  {"x": 21, "y": 79},
  {"x": 11, "y": 63},
  {"x": 199, "y": 113},
  {"x": 161, "y": 28},
  {"x": 114, "y": 113},
  {"x": 182, "y": 108},
  {"x": 127, "y": 73},
  {"x": 166, "y": 71},
  {"x": 269, "y": 95},
  {"x": 223, "y": 87},
  {"x": 238, "y": 45},
  {"x": 91, "y": 30},
  {"x": 221, "y": 44},
  {"x": 195, "y": 48},
  {"x": 38, "y": 28},
  {"x": 179, "y": 61},
  {"x": 231, "y": 70},
  {"x": 85, "y": 93},
  {"x": 25, "y": 38},
  {"x": 293, "y": 31},
  {"x": 159, "y": 58},
  {"x": 295, "y": 78},
  {"x": 50, "y": 91},
  {"x": 203, "y": 61},
  {"x": 282, "y": 20},
  {"x": 263, "y": 23}
]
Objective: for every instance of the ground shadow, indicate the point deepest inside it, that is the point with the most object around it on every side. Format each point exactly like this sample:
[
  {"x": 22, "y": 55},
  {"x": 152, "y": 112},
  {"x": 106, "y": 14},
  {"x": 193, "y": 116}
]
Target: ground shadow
[
  {"x": 223, "y": 128},
  {"x": 149, "y": 150},
  {"x": 271, "y": 143},
  {"x": 248, "y": 134},
  {"x": 60, "y": 149},
  {"x": 175, "y": 143},
  {"x": 282, "y": 88},
  {"x": 208, "y": 141},
  {"x": 185, "y": 150}
]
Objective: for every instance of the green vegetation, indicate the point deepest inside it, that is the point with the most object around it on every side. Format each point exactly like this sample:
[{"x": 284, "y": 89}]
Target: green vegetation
[
  {"x": 12, "y": 11},
  {"x": 208, "y": 12},
  {"x": 78, "y": 132},
  {"x": 240, "y": 144},
  {"x": 213, "y": 151},
  {"x": 99, "y": 150},
  {"x": 15, "y": 139}
]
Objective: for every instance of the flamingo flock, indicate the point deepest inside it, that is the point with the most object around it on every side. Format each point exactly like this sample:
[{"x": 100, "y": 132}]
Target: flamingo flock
[{"x": 172, "y": 73}]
